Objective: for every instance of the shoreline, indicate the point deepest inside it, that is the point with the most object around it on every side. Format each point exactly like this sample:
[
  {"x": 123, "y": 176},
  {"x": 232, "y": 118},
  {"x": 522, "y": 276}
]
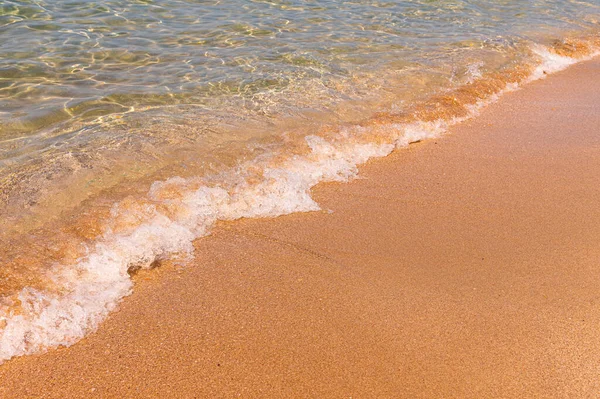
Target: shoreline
[{"x": 480, "y": 249}]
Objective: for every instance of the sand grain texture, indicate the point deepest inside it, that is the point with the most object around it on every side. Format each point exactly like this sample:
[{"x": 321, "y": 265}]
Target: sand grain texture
[{"x": 464, "y": 267}]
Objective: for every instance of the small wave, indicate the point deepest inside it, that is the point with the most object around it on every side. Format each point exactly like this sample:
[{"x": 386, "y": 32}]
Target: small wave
[{"x": 177, "y": 211}]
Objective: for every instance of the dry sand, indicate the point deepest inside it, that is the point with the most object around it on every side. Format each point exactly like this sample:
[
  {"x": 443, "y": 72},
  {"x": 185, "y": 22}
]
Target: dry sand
[{"x": 464, "y": 267}]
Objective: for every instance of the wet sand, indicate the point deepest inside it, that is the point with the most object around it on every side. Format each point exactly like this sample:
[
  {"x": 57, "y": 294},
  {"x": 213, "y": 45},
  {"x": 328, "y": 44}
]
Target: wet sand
[{"x": 464, "y": 267}]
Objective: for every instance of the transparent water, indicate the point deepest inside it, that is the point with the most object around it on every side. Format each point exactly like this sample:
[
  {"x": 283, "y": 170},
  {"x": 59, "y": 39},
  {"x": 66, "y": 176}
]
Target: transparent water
[
  {"x": 77, "y": 60},
  {"x": 88, "y": 86}
]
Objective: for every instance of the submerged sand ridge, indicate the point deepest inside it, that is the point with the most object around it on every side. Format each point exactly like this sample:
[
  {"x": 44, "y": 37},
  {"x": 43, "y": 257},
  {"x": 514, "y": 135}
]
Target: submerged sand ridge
[{"x": 461, "y": 267}]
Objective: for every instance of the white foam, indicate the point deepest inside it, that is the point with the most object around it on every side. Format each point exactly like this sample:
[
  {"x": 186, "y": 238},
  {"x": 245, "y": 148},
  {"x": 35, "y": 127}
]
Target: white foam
[
  {"x": 474, "y": 71},
  {"x": 552, "y": 62},
  {"x": 93, "y": 287}
]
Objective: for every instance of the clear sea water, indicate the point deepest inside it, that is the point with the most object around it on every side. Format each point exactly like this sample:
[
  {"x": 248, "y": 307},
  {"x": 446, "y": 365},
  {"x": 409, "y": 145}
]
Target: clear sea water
[{"x": 127, "y": 128}]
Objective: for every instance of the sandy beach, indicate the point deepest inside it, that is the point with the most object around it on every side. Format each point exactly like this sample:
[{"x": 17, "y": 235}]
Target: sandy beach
[{"x": 463, "y": 267}]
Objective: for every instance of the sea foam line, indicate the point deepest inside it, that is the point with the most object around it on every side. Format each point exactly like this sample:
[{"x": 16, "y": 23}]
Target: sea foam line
[{"x": 93, "y": 287}]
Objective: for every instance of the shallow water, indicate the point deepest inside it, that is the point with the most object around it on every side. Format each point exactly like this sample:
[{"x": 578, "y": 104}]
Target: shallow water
[
  {"x": 128, "y": 128},
  {"x": 66, "y": 61}
]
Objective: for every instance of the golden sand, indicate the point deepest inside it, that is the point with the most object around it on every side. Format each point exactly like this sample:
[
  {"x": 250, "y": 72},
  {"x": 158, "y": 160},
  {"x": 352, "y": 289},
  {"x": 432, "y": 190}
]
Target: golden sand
[{"x": 464, "y": 267}]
